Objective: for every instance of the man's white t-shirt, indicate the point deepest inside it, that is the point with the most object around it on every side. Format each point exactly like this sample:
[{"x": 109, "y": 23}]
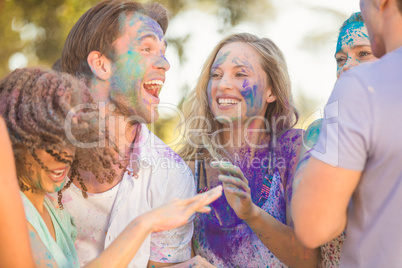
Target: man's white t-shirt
[
  {"x": 91, "y": 218},
  {"x": 100, "y": 218}
]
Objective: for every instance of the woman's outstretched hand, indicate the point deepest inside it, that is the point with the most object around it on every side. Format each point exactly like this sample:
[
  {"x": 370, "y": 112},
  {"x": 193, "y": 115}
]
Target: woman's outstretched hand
[
  {"x": 236, "y": 189},
  {"x": 168, "y": 216},
  {"x": 177, "y": 212}
]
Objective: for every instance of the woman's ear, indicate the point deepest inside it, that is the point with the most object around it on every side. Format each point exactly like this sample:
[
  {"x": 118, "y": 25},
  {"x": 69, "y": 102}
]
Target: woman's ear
[
  {"x": 270, "y": 96},
  {"x": 100, "y": 65}
]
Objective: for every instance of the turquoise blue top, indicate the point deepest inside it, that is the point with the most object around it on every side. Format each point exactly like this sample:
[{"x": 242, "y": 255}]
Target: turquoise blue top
[{"x": 63, "y": 251}]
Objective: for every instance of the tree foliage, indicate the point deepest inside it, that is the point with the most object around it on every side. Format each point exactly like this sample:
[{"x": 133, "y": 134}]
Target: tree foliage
[{"x": 38, "y": 28}]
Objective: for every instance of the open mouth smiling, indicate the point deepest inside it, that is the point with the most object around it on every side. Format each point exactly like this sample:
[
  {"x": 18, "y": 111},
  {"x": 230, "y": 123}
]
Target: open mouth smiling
[
  {"x": 227, "y": 101},
  {"x": 58, "y": 175},
  {"x": 153, "y": 87}
]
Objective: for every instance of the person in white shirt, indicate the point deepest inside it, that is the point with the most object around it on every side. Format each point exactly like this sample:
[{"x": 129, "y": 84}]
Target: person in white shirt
[{"x": 118, "y": 47}]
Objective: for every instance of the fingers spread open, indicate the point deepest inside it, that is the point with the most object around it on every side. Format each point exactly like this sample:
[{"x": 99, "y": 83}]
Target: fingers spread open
[
  {"x": 204, "y": 199},
  {"x": 212, "y": 195}
]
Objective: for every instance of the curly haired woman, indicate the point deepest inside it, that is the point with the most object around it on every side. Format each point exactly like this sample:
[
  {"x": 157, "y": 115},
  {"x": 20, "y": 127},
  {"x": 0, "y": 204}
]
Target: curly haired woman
[{"x": 35, "y": 104}]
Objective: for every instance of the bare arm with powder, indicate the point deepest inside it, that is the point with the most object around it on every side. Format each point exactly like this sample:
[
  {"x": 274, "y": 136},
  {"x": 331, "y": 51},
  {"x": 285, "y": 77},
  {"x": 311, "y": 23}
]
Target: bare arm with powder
[
  {"x": 123, "y": 249},
  {"x": 15, "y": 250},
  {"x": 195, "y": 261},
  {"x": 169, "y": 216}
]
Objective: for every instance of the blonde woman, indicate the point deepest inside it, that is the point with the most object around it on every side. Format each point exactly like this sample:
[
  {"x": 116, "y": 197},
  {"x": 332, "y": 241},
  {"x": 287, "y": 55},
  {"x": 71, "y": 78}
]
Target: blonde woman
[{"x": 239, "y": 133}]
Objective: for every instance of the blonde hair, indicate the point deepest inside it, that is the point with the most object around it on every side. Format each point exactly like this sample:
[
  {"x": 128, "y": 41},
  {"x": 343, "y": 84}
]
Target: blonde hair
[{"x": 197, "y": 110}]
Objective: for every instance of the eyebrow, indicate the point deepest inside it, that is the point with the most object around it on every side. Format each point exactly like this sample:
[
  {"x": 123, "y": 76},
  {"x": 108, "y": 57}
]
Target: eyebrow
[
  {"x": 239, "y": 66},
  {"x": 243, "y": 63},
  {"x": 153, "y": 37},
  {"x": 242, "y": 66}
]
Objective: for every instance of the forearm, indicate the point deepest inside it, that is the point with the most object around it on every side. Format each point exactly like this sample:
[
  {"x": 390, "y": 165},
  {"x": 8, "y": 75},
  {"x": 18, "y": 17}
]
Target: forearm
[
  {"x": 126, "y": 245},
  {"x": 319, "y": 205},
  {"x": 314, "y": 226},
  {"x": 281, "y": 240},
  {"x": 170, "y": 216},
  {"x": 14, "y": 239}
]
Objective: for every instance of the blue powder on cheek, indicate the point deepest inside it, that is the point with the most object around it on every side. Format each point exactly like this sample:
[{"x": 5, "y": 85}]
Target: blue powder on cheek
[
  {"x": 246, "y": 84},
  {"x": 250, "y": 96},
  {"x": 130, "y": 67},
  {"x": 134, "y": 63}
]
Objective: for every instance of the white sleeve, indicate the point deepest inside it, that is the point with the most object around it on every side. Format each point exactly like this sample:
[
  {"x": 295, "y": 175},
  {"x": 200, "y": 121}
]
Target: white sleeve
[{"x": 175, "y": 245}]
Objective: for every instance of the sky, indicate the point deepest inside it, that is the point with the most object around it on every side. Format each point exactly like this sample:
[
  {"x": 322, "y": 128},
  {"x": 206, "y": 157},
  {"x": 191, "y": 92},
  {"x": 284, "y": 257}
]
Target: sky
[{"x": 311, "y": 65}]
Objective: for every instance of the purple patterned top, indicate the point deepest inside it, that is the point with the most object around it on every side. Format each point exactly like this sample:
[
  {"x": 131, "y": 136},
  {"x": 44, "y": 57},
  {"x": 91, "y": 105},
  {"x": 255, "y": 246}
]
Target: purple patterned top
[{"x": 230, "y": 242}]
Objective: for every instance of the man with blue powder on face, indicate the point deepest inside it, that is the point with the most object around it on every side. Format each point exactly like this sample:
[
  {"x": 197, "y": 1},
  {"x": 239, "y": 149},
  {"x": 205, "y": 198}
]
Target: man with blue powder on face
[
  {"x": 118, "y": 47},
  {"x": 354, "y": 177}
]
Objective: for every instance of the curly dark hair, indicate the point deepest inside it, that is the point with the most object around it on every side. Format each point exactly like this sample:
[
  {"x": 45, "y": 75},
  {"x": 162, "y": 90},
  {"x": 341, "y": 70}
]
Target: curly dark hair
[{"x": 36, "y": 104}]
